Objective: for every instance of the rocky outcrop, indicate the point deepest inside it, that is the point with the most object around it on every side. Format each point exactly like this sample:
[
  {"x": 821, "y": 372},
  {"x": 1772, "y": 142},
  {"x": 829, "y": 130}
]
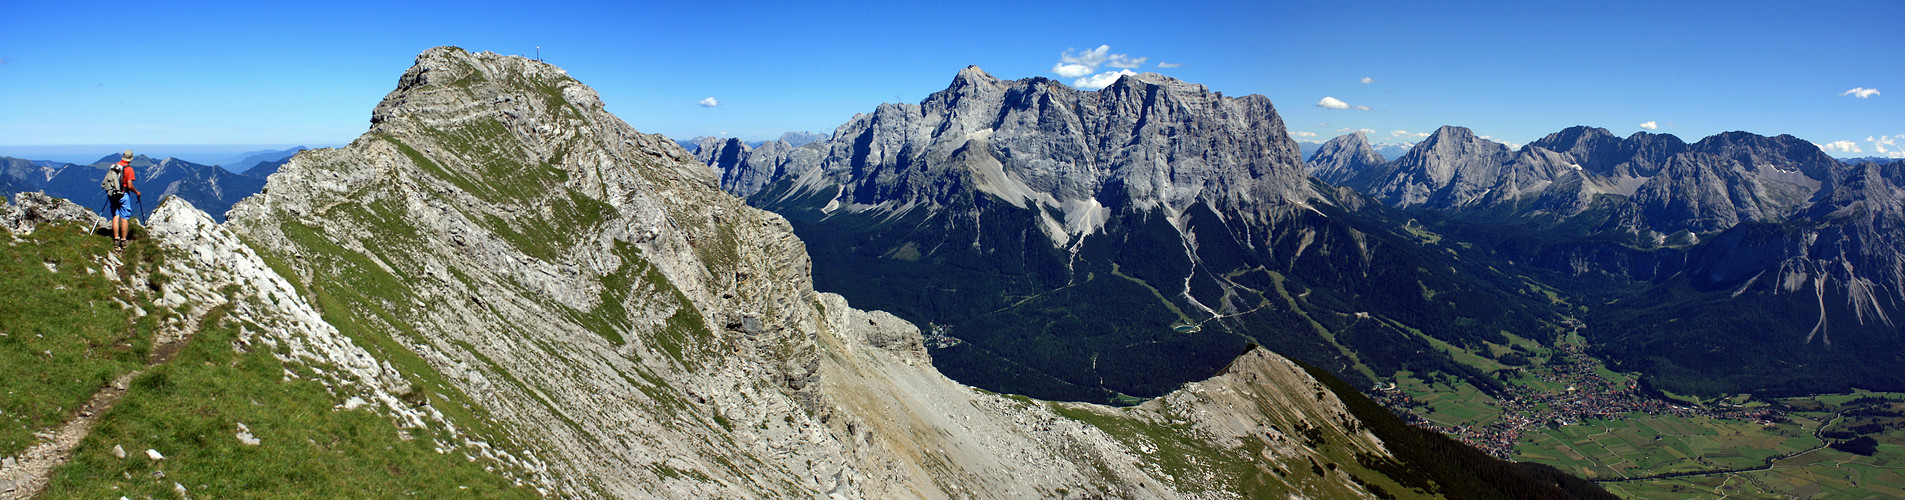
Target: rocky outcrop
[
  {"x": 29, "y": 210},
  {"x": 628, "y": 330}
]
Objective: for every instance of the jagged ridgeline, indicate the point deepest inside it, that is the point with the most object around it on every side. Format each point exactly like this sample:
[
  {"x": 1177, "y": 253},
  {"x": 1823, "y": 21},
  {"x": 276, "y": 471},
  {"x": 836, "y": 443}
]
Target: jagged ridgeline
[
  {"x": 1111, "y": 245},
  {"x": 1762, "y": 248},
  {"x": 503, "y": 290}
]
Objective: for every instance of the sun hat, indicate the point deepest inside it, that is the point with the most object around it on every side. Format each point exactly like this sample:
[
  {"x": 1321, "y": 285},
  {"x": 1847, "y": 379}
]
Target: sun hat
[{"x": 127, "y": 156}]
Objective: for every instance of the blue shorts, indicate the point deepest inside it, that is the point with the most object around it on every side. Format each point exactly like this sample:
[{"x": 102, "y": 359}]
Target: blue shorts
[{"x": 120, "y": 208}]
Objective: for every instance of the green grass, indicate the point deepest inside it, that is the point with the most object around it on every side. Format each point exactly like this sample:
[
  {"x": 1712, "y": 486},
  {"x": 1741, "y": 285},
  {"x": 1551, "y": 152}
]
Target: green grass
[
  {"x": 1450, "y": 401},
  {"x": 189, "y": 410},
  {"x": 62, "y": 336},
  {"x": 1648, "y": 444}
]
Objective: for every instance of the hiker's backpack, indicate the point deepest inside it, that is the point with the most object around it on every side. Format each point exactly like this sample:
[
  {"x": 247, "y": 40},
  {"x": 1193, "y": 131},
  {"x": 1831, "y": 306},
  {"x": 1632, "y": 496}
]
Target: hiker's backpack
[{"x": 114, "y": 183}]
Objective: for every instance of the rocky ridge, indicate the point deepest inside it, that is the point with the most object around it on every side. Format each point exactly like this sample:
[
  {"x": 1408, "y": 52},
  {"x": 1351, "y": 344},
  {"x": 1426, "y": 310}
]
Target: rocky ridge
[{"x": 1664, "y": 185}]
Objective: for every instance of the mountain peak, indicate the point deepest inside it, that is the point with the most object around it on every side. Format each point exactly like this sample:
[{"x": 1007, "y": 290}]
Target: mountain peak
[
  {"x": 515, "y": 77},
  {"x": 972, "y": 75},
  {"x": 1451, "y": 132},
  {"x": 1343, "y": 158}
]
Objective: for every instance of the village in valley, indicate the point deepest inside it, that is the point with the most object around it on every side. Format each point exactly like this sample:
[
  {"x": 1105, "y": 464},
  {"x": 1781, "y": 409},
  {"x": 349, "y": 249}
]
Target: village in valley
[
  {"x": 1566, "y": 408},
  {"x": 1583, "y": 393}
]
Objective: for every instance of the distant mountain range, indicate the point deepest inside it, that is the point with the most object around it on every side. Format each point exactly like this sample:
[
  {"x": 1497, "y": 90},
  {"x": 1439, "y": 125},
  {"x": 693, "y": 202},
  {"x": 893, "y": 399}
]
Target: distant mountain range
[
  {"x": 250, "y": 160},
  {"x": 1106, "y": 245},
  {"x": 1874, "y": 159},
  {"x": 1096, "y": 245},
  {"x": 1387, "y": 150},
  {"x": 793, "y": 139},
  {"x": 1764, "y": 248},
  {"x": 213, "y": 188}
]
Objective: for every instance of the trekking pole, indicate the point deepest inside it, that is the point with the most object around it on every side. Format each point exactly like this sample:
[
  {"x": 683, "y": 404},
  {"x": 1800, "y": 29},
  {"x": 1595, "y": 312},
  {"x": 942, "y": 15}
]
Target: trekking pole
[{"x": 142, "y": 208}]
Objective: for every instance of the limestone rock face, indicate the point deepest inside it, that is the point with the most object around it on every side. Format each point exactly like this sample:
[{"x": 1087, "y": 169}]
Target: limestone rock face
[
  {"x": 621, "y": 327},
  {"x": 1146, "y": 142},
  {"x": 746, "y": 170}
]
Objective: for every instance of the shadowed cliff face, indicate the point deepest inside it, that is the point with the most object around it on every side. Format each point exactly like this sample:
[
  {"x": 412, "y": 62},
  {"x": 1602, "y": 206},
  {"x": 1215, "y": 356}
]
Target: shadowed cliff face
[{"x": 505, "y": 263}]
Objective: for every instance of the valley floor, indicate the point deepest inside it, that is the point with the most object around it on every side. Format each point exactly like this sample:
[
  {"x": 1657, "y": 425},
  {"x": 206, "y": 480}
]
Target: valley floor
[{"x": 1566, "y": 409}]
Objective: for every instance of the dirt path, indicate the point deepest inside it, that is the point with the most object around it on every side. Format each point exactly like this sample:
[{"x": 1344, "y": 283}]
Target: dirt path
[
  {"x": 33, "y": 468},
  {"x": 26, "y": 475}
]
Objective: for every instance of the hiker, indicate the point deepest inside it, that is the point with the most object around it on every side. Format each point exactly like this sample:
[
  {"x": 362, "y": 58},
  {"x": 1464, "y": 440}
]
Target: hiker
[{"x": 117, "y": 182}]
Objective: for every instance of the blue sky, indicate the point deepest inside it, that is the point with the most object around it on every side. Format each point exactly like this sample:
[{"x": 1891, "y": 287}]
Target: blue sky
[{"x": 127, "y": 74}]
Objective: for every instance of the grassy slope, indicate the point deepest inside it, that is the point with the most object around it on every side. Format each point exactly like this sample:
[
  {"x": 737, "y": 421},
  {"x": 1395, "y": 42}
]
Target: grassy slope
[
  {"x": 190, "y": 409},
  {"x": 62, "y": 336},
  {"x": 65, "y": 340}
]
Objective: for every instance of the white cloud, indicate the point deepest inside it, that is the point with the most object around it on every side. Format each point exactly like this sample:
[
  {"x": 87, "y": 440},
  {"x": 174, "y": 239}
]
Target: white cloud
[
  {"x": 1163, "y": 64},
  {"x": 708, "y": 103},
  {"x": 1300, "y": 133},
  {"x": 1841, "y": 146},
  {"x": 1364, "y": 108},
  {"x": 1081, "y": 64},
  {"x": 1369, "y": 80},
  {"x": 1091, "y": 58},
  {"x": 1332, "y": 103},
  {"x": 1650, "y": 125},
  {"x": 1124, "y": 61},
  {"x": 1398, "y": 133},
  {"x": 1880, "y": 143},
  {"x": 1861, "y": 92},
  {"x": 1071, "y": 70},
  {"x": 1887, "y": 145},
  {"x": 1101, "y": 80},
  {"x": 1346, "y": 130}
]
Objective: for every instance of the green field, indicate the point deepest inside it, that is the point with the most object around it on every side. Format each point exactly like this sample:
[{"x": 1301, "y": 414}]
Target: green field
[
  {"x": 1821, "y": 474},
  {"x": 1449, "y": 402},
  {"x": 1648, "y": 445},
  {"x": 1651, "y": 445},
  {"x": 1641, "y": 445}
]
